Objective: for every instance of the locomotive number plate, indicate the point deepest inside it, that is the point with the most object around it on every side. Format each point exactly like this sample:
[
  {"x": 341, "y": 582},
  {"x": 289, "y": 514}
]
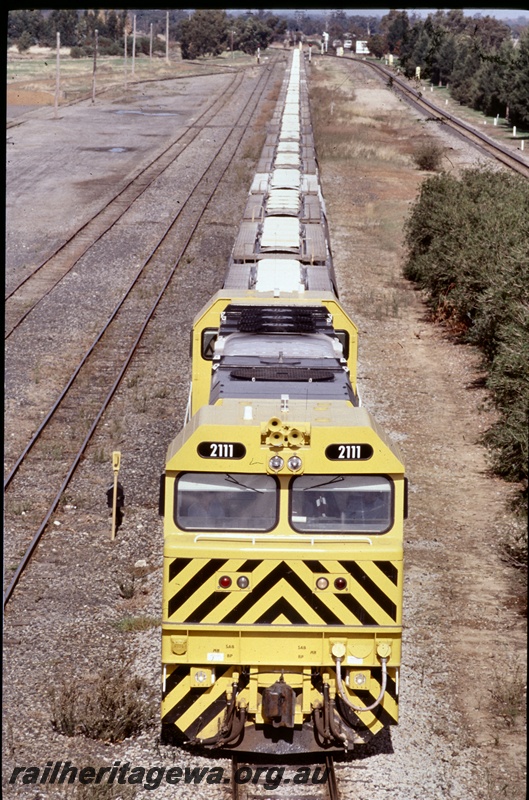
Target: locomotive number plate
[
  {"x": 349, "y": 452},
  {"x": 221, "y": 450}
]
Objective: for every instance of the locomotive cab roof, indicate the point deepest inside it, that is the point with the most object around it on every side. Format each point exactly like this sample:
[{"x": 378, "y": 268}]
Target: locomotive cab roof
[{"x": 324, "y": 422}]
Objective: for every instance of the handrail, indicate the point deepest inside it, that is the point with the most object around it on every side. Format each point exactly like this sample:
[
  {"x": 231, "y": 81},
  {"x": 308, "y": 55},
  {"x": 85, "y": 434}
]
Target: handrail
[{"x": 266, "y": 537}]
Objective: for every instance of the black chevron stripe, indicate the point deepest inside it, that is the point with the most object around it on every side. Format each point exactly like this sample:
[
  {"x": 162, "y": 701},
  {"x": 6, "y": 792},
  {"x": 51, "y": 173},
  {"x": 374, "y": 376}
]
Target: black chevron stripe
[
  {"x": 352, "y": 604},
  {"x": 379, "y": 712},
  {"x": 188, "y": 700},
  {"x": 180, "y": 708},
  {"x": 206, "y": 607},
  {"x": 249, "y": 565},
  {"x": 371, "y": 588},
  {"x": 176, "y": 676},
  {"x": 315, "y": 566},
  {"x": 198, "y": 581},
  {"x": 389, "y": 570},
  {"x": 177, "y": 565},
  {"x": 358, "y": 721},
  {"x": 281, "y": 571},
  {"x": 281, "y": 606},
  {"x": 207, "y": 716},
  {"x": 391, "y": 686}
]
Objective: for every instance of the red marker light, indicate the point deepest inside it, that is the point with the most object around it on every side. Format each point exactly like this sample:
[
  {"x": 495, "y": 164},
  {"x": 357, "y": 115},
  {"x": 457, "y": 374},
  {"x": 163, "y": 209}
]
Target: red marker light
[
  {"x": 340, "y": 583},
  {"x": 225, "y": 582}
]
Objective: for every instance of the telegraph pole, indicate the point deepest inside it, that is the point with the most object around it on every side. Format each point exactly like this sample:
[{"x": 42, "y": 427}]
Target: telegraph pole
[
  {"x": 134, "y": 45},
  {"x": 57, "y": 74},
  {"x": 95, "y": 67}
]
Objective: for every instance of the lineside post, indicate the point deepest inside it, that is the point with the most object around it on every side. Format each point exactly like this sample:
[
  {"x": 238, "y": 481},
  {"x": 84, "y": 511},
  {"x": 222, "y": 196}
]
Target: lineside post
[{"x": 116, "y": 463}]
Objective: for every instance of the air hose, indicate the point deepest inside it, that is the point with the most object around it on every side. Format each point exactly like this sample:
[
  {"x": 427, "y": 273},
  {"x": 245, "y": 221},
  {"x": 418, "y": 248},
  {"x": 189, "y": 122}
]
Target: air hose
[{"x": 343, "y": 694}]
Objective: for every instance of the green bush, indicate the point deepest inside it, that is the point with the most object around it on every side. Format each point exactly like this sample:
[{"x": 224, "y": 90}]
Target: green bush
[{"x": 468, "y": 247}]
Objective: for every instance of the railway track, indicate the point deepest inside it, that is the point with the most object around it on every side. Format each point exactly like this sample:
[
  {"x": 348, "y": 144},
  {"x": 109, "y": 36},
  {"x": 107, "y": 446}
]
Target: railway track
[
  {"x": 47, "y": 463},
  {"x": 257, "y": 781},
  {"x": 484, "y": 143},
  {"x": 22, "y": 298}
]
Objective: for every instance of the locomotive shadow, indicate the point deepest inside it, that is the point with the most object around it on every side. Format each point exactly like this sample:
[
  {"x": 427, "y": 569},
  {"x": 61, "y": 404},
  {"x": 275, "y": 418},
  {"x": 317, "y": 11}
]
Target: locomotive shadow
[{"x": 380, "y": 744}]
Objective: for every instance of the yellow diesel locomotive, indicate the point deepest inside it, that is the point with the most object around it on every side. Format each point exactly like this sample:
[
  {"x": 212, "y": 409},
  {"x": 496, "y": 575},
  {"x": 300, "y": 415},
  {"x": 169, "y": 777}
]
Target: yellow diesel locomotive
[{"x": 283, "y": 500}]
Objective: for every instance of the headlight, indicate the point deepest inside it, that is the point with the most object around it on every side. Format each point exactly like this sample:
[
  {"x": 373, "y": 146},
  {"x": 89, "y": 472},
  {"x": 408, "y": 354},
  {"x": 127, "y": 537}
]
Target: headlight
[{"x": 276, "y": 463}]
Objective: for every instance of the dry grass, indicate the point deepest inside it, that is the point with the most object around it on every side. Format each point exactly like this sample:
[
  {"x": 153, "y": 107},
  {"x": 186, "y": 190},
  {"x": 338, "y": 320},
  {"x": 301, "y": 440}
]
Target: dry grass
[
  {"x": 345, "y": 130},
  {"x": 134, "y": 624},
  {"x": 111, "y": 706},
  {"x": 509, "y": 696},
  {"x": 31, "y": 79}
]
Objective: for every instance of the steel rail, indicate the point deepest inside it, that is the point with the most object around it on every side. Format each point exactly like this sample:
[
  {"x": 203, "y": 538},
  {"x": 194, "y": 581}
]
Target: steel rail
[
  {"x": 113, "y": 199},
  {"x": 105, "y": 218},
  {"x": 498, "y": 151},
  {"x": 38, "y": 535},
  {"x": 234, "y": 783},
  {"x": 111, "y": 318},
  {"x": 331, "y": 783},
  {"x": 109, "y": 321}
]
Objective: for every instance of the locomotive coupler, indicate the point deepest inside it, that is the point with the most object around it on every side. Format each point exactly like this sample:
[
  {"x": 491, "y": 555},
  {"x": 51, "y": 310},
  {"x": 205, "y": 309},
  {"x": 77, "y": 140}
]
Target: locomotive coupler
[{"x": 279, "y": 704}]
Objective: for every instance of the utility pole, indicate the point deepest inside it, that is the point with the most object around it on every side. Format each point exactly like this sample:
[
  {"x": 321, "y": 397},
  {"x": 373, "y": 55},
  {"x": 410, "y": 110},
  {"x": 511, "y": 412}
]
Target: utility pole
[
  {"x": 57, "y": 75},
  {"x": 134, "y": 45},
  {"x": 167, "y": 37},
  {"x": 95, "y": 67}
]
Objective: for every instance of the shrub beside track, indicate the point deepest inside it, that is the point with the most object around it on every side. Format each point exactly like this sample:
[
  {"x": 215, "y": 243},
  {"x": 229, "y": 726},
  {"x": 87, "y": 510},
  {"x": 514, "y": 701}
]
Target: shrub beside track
[{"x": 468, "y": 247}]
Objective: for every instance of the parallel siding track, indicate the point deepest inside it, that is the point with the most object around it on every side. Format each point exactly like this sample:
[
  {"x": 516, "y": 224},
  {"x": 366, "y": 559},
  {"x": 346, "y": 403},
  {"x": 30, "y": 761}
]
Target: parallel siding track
[
  {"x": 488, "y": 146},
  {"x": 60, "y": 441},
  {"x": 23, "y": 297}
]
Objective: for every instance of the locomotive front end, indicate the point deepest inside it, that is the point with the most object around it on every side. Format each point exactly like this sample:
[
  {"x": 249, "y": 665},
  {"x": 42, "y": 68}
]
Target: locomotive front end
[{"x": 282, "y": 607}]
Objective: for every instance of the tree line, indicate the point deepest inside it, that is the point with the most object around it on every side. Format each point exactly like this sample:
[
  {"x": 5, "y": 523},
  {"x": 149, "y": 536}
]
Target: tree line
[
  {"x": 202, "y": 33},
  {"x": 485, "y": 67},
  {"x": 484, "y": 61},
  {"x": 211, "y": 32},
  {"x": 468, "y": 248}
]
